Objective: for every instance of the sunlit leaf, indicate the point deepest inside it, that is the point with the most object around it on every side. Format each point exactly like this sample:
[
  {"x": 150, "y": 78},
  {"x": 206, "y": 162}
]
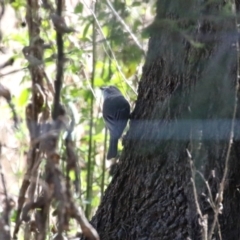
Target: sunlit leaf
[
  {"x": 130, "y": 70},
  {"x": 78, "y": 8},
  {"x": 23, "y": 97},
  {"x": 85, "y": 31},
  {"x": 72, "y": 175}
]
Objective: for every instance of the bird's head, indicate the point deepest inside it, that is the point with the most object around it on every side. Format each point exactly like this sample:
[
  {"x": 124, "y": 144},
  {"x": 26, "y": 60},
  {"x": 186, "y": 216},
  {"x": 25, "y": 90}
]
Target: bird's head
[{"x": 110, "y": 91}]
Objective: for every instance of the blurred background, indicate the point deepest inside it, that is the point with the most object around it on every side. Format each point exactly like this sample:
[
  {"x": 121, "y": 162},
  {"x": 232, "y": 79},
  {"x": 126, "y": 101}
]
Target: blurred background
[{"x": 107, "y": 51}]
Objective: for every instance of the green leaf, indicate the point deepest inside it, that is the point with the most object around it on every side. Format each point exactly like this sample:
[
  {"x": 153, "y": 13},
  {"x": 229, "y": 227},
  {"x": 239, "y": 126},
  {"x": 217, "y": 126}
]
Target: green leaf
[
  {"x": 95, "y": 201},
  {"x": 23, "y": 98},
  {"x": 136, "y": 4},
  {"x": 72, "y": 175},
  {"x": 78, "y": 8},
  {"x": 13, "y": 216},
  {"x": 85, "y": 31}
]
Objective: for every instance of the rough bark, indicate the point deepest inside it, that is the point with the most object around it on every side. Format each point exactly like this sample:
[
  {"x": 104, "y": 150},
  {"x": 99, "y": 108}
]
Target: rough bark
[{"x": 183, "y": 114}]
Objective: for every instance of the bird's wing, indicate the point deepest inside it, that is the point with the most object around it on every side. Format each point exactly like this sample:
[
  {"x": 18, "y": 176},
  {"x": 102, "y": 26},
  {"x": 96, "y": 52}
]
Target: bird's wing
[{"x": 116, "y": 113}]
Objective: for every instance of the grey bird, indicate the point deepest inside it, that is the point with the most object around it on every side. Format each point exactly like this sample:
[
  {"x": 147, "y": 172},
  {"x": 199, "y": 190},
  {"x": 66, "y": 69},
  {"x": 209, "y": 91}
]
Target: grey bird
[{"x": 116, "y": 112}]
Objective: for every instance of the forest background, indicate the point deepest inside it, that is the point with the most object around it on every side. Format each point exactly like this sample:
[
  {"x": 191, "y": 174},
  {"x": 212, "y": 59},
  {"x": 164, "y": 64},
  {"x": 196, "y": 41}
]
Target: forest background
[
  {"x": 106, "y": 47},
  {"x": 177, "y": 62}
]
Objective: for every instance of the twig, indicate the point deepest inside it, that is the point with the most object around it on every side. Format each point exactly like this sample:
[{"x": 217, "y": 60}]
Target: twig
[
  {"x": 126, "y": 27},
  {"x": 2, "y": 4},
  {"x": 5, "y": 93},
  {"x": 211, "y": 201},
  {"x": 105, "y": 137},
  {"x": 15, "y": 118},
  {"x": 34, "y": 108},
  {"x": 60, "y": 65},
  {"x": 72, "y": 158},
  {"x": 12, "y": 72},
  {"x": 9, "y": 62},
  {"x": 221, "y": 187},
  {"x": 209, "y": 190},
  {"x": 88, "y": 231},
  {"x": 89, "y": 163},
  {"x": 5, "y": 224},
  {"x": 49, "y": 83},
  {"x": 104, "y": 163},
  {"x": 109, "y": 47},
  {"x": 202, "y": 218}
]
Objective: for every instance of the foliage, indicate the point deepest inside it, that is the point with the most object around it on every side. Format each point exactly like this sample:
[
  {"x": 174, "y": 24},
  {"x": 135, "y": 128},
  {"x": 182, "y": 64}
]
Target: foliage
[{"x": 104, "y": 50}]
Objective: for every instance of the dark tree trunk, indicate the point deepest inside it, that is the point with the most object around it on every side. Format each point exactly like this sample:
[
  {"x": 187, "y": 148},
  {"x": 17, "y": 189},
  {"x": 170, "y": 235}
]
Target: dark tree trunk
[{"x": 183, "y": 114}]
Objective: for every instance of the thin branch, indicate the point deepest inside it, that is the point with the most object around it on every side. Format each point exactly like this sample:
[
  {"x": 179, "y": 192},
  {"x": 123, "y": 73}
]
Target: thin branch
[
  {"x": 12, "y": 72},
  {"x": 88, "y": 231},
  {"x": 2, "y": 4},
  {"x": 105, "y": 136},
  {"x": 60, "y": 66},
  {"x": 5, "y": 93},
  {"x": 202, "y": 218},
  {"x": 104, "y": 163},
  {"x": 209, "y": 190},
  {"x": 15, "y": 118},
  {"x": 222, "y": 183},
  {"x": 71, "y": 157},
  {"x": 126, "y": 27},
  {"x": 90, "y": 147},
  {"x": 6, "y": 219},
  {"x": 32, "y": 52},
  {"x": 9, "y": 62},
  {"x": 211, "y": 201},
  {"x": 110, "y": 49}
]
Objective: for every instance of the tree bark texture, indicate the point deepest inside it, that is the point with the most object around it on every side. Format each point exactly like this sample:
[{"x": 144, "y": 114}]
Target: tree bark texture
[{"x": 183, "y": 113}]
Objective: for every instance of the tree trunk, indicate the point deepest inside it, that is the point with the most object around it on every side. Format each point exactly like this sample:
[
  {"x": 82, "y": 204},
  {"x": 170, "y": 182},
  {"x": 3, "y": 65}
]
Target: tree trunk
[{"x": 180, "y": 133}]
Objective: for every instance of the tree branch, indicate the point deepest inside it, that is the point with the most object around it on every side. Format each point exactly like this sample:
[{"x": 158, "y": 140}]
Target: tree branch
[{"x": 60, "y": 66}]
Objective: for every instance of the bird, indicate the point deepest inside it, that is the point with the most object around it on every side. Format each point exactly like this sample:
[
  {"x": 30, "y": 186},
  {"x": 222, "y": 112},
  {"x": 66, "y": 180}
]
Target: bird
[{"x": 116, "y": 112}]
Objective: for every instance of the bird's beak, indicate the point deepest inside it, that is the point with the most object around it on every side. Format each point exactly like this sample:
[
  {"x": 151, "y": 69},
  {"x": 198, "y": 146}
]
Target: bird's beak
[{"x": 102, "y": 88}]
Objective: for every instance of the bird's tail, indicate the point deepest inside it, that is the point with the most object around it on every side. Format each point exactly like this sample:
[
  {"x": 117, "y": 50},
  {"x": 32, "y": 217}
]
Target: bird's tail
[{"x": 113, "y": 146}]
